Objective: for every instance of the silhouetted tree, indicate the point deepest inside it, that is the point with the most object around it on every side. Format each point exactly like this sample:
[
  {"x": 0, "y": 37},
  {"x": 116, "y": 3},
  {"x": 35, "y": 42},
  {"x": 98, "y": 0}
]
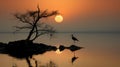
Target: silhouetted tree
[{"x": 34, "y": 23}]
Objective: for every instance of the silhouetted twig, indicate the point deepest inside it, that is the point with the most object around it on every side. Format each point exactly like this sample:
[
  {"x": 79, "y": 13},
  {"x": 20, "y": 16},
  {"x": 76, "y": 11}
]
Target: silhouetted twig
[{"x": 31, "y": 18}]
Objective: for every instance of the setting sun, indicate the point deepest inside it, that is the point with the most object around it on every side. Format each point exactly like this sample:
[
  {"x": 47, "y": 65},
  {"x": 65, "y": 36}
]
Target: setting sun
[
  {"x": 58, "y": 51},
  {"x": 58, "y": 18}
]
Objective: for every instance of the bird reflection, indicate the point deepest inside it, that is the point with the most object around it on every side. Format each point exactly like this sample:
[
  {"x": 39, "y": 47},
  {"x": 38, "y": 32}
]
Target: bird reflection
[
  {"x": 73, "y": 59},
  {"x": 72, "y": 48}
]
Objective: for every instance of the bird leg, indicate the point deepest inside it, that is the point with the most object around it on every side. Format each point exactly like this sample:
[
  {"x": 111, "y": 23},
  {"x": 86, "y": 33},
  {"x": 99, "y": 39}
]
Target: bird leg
[
  {"x": 74, "y": 54},
  {"x": 28, "y": 61}
]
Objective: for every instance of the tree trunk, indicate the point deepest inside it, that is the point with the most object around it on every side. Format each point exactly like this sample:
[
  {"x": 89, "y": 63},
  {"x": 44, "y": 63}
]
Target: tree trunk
[{"x": 28, "y": 61}]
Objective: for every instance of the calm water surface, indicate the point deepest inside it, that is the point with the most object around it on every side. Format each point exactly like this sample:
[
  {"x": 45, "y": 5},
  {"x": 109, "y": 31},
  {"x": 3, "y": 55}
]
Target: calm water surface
[{"x": 101, "y": 50}]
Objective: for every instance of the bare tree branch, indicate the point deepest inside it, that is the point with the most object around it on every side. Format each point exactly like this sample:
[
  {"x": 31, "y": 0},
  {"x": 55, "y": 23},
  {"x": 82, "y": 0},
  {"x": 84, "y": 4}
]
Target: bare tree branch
[
  {"x": 24, "y": 27},
  {"x": 32, "y": 18},
  {"x": 23, "y": 18}
]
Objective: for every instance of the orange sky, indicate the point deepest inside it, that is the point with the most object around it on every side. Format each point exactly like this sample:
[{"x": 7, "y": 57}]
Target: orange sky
[
  {"x": 79, "y": 15},
  {"x": 85, "y": 15}
]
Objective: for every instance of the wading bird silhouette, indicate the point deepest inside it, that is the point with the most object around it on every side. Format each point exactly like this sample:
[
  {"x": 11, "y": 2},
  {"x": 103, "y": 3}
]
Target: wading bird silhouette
[{"x": 74, "y": 38}]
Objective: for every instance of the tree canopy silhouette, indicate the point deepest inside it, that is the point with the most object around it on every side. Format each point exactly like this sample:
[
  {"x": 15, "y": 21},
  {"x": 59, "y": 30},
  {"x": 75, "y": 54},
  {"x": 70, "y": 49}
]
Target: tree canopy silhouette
[{"x": 32, "y": 21}]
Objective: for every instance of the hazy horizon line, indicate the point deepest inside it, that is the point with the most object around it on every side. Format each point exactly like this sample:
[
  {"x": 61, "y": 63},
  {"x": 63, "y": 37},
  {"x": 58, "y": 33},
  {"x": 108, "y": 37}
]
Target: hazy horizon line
[{"x": 69, "y": 32}]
